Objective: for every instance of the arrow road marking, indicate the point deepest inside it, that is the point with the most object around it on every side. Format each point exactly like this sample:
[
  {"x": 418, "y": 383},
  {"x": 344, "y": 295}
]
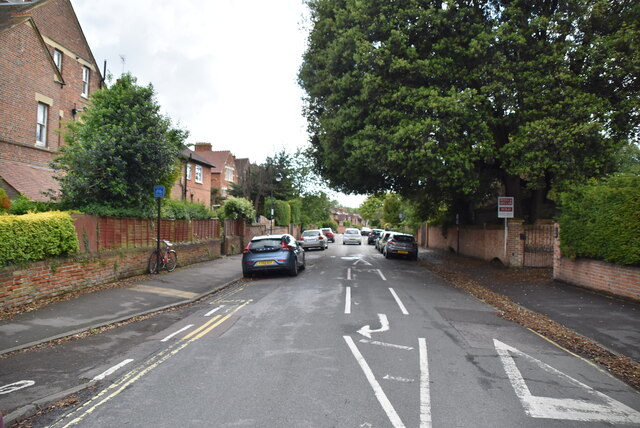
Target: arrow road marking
[
  {"x": 366, "y": 330},
  {"x": 387, "y": 345},
  {"x": 361, "y": 261},
  {"x": 377, "y": 389},
  {"x": 611, "y": 411},
  {"x": 13, "y": 387}
]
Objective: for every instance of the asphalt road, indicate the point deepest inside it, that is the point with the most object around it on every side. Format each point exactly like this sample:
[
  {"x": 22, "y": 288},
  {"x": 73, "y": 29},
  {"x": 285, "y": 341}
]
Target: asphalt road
[{"x": 354, "y": 341}]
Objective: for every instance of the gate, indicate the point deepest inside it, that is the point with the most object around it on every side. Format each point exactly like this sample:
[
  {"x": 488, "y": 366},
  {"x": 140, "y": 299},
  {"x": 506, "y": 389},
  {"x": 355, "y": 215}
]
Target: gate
[{"x": 538, "y": 245}]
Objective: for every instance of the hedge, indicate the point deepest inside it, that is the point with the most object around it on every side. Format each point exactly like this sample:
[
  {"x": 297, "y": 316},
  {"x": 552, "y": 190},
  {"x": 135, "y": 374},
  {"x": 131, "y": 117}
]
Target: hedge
[
  {"x": 601, "y": 220},
  {"x": 32, "y": 237}
]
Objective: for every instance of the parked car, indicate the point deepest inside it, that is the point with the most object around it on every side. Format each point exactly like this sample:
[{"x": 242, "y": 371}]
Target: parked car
[
  {"x": 365, "y": 231},
  {"x": 313, "y": 238},
  {"x": 401, "y": 244},
  {"x": 328, "y": 232},
  {"x": 384, "y": 236},
  {"x": 351, "y": 236},
  {"x": 373, "y": 235},
  {"x": 273, "y": 252}
]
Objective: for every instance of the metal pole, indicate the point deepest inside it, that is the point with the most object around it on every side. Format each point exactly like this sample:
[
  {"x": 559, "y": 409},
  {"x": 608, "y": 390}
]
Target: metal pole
[
  {"x": 158, "y": 242},
  {"x": 271, "y": 224}
]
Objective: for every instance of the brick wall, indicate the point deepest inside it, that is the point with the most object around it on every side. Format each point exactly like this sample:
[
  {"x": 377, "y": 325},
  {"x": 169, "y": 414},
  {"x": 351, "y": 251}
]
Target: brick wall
[
  {"x": 597, "y": 275},
  {"x": 24, "y": 284}
]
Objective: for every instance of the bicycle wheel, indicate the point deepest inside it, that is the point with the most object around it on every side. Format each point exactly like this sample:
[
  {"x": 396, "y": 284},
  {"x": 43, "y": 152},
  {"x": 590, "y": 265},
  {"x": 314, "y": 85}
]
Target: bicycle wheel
[
  {"x": 154, "y": 262},
  {"x": 172, "y": 260}
]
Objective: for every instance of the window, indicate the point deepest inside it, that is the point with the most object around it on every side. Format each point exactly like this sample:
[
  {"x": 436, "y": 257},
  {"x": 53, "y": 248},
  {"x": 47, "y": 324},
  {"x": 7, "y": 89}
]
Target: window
[
  {"x": 41, "y": 127},
  {"x": 188, "y": 171},
  {"x": 85, "y": 81},
  {"x": 57, "y": 58},
  {"x": 228, "y": 173},
  {"x": 198, "y": 174}
]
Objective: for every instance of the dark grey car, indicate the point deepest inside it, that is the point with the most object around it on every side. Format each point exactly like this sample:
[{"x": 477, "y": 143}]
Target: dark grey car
[
  {"x": 271, "y": 253},
  {"x": 401, "y": 245}
]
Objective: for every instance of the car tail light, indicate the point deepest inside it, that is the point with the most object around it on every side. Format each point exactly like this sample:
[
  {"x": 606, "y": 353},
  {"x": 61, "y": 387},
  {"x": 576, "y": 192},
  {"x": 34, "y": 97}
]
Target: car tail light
[
  {"x": 285, "y": 246},
  {"x": 320, "y": 238},
  {"x": 301, "y": 238},
  {"x": 246, "y": 250},
  {"x": 391, "y": 242}
]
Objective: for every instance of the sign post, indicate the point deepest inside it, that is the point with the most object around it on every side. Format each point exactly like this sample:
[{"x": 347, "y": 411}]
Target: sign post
[
  {"x": 505, "y": 211},
  {"x": 158, "y": 192}
]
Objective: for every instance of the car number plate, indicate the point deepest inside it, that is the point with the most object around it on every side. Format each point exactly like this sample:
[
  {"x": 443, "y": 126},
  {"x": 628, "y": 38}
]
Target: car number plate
[
  {"x": 265, "y": 262},
  {"x": 403, "y": 252}
]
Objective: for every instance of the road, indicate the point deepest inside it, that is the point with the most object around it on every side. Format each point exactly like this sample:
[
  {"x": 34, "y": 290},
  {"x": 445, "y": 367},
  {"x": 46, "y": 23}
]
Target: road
[{"x": 354, "y": 341}]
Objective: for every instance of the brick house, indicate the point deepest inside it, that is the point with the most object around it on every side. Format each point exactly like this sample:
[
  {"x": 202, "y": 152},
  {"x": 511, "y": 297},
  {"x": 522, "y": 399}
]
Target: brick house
[
  {"x": 224, "y": 172},
  {"x": 194, "y": 184},
  {"x": 47, "y": 72}
]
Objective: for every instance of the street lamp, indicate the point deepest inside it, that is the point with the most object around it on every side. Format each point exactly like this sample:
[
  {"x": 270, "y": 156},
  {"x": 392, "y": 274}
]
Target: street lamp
[{"x": 278, "y": 178}]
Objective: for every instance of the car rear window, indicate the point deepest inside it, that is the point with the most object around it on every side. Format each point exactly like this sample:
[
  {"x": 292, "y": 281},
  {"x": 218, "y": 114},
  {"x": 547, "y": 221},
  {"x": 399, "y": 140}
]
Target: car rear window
[
  {"x": 403, "y": 238},
  {"x": 265, "y": 244},
  {"x": 310, "y": 233},
  {"x": 326, "y": 230},
  {"x": 351, "y": 232}
]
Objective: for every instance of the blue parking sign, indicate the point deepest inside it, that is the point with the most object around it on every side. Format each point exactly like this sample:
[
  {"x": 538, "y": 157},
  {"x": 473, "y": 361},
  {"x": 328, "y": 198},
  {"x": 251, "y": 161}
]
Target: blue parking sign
[{"x": 158, "y": 191}]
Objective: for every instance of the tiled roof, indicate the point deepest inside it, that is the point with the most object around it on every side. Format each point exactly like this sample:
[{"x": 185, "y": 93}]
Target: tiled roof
[
  {"x": 12, "y": 13},
  {"x": 217, "y": 158},
  {"x": 196, "y": 157},
  {"x": 29, "y": 180}
]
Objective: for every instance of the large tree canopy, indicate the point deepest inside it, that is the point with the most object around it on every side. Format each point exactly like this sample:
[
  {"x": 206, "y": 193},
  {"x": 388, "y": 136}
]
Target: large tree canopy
[
  {"x": 439, "y": 101},
  {"x": 119, "y": 149}
]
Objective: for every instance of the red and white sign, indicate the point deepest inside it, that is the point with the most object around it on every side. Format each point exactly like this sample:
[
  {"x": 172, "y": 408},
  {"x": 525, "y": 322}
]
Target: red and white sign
[{"x": 505, "y": 207}]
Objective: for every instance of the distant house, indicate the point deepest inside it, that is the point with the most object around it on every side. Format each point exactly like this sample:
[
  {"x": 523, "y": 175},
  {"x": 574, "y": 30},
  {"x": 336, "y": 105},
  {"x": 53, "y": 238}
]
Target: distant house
[
  {"x": 224, "y": 173},
  {"x": 47, "y": 72},
  {"x": 341, "y": 216},
  {"x": 194, "y": 184}
]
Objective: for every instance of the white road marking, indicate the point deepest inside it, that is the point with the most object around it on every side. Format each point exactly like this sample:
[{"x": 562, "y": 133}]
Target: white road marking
[
  {"x": 395, "y": 296},
  {"x": 347, "y": 301},
  {"x": 361, "y": 261},
  {"x": 387, "y": 345},
  {"x": 377, "y": 390},
  {"x": 381, "y": 275},
  {"x": 112, "y": 369},
  {"x": 213, "y": 311},
  {"x": 366, "y": 330},
  {"x": 612, "y": 411},
  {"x": 16, "y": 386},
  {"x": 425, "y": 394},
  {"x": 177, "y": 332},
  {"x": 399, "y": 379},
  {"x": 349, "y": 274}
]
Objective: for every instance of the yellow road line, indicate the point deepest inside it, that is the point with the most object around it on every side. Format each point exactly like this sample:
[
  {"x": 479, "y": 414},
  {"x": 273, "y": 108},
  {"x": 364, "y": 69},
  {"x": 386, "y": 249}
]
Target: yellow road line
[{"x": 164, "y": 291}]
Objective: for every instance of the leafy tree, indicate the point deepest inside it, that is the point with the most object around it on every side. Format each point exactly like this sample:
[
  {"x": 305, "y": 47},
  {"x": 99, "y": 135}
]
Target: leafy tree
[
  {"x": 439, "y": 101},
  {"x": 316, "y": 208},
  {"x": 118, "y": 150},
  {"x": 371, "y": 210}
]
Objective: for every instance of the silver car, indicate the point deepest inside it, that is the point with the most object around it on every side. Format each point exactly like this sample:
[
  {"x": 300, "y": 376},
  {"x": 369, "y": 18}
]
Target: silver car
[
  {"x": 351, "y": 236},
  {"x": 313, "y": 238}
]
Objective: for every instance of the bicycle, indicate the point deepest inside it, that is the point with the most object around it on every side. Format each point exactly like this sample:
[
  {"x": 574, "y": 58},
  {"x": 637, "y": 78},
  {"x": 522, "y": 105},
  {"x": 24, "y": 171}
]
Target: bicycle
[{"x": 158, "y": 260}]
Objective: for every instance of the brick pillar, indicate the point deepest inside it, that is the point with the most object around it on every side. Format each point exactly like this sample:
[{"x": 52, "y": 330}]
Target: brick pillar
[
  {"x": 557, "y": 254},
  {"x": 515, "y": 243}
]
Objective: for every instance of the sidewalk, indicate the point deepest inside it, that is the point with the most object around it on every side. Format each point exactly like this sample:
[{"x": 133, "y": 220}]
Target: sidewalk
[{"x": 92, "y": 310}]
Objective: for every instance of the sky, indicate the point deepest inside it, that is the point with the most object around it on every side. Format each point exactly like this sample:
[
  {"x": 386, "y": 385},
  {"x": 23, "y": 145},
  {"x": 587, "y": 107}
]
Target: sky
[{"x": 225, "y": 70}]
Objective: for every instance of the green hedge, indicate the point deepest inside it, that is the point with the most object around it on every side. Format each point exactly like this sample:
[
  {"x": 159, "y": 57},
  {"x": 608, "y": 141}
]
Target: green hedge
[
  {"x": 601, "y": 220},
  {"x": 32, "y": 237}
]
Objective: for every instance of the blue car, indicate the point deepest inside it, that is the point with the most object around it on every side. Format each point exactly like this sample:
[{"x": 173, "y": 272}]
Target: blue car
[{"x": 272, "y": 253}]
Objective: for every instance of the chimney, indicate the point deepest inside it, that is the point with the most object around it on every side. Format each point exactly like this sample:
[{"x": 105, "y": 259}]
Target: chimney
[{"x": 203, "y": 147}]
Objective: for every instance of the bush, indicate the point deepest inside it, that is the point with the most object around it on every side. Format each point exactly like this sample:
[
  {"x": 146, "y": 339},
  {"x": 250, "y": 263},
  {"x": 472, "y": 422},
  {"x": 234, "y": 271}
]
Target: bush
[
  {"x": 32, "y": 237},
  {"x": 601, "y": 220},
  {"x": 24, "y": 205},
  {"x": 296, "y": 211},
  {"x": 282, "y": 214},
  {"x": 178, "y": 210},
  {"x": 329, "y": 223},
  {"x": 234, "y": 208},
  {"x": 5, "y": 202}
]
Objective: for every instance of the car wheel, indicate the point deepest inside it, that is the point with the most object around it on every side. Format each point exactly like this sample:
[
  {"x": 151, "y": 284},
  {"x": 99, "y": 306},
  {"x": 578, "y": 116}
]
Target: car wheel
[
  {"x": 386, "y": 255},
  {"x": 294, "y": 269},
  {"x": 246, "y": 273},
  {"x": 303, "y": 266},
  {"x": 360, "y": 243}
]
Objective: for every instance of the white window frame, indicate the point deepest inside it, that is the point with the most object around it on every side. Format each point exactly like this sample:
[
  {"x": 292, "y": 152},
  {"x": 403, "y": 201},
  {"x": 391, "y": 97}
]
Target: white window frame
[
  {"x": 228, "y": 173},
  {"x": 86, "y": 75},
  {"x": 188, "y": 171},
  {"x": 42, "y": 117},
  {"x": 57, "y": 59},
  {"x": 198, "y": 174}
]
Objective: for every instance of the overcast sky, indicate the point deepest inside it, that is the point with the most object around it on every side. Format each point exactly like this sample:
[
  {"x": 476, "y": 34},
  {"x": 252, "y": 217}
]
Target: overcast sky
[{"x": 225, "y": 70}]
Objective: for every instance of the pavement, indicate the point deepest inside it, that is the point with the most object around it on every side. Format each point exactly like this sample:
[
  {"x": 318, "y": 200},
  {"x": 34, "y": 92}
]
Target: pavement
[{"x": 611, "y": 322}]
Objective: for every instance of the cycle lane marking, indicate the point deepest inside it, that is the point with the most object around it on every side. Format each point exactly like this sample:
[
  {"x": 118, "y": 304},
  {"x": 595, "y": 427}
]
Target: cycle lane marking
[
  {"x": 610, "y": 410},
  {"x": 112, "y": 369},
  {"x": 399, "y": 302}
]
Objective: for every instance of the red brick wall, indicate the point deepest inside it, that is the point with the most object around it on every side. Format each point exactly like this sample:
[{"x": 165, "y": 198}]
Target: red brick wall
[
  {"x": 595, "y": 274},
  {"x": 22, "y": 285}
]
